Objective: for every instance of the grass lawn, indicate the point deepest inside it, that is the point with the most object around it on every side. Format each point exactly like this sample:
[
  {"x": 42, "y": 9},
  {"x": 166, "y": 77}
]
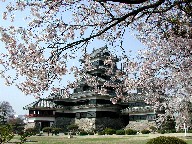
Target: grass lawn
[{"x": 95, "y": 139}]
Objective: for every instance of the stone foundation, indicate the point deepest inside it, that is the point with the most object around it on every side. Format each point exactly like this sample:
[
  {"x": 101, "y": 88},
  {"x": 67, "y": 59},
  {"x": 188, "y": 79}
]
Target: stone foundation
[
  {"x": 140, "y": 125},
  {"x": 87, "y": 124},
  {"x": 90, "y": 124},
  {"x": 106, "y": 122},
  {"x": 63, "y": 122}
]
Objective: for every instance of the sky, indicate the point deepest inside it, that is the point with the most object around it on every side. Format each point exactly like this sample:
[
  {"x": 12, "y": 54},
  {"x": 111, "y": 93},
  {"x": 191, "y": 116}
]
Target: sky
[{"x": 18, "y": 100}]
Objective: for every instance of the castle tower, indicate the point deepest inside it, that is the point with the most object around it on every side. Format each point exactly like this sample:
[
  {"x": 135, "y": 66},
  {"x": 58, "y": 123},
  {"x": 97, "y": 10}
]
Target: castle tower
[{"x": 89, "y": 106}]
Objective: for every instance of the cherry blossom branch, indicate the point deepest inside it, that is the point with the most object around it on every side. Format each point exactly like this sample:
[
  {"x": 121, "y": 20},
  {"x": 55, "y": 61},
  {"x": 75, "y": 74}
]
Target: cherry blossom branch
[{"x": 119, "y": 20}]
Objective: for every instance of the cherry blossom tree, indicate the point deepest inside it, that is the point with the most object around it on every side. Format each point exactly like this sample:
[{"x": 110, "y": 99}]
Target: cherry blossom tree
[
  {"x": 6, "y": 109},
  {"x": 56, "y": 31}
]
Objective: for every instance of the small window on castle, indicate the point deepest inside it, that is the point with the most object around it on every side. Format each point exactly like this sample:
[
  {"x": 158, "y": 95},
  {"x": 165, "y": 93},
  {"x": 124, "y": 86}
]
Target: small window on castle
[
  {"x": 101, "y": 62},
  {"x": 106, "y": 54},
  {"x": 86, "y": 87}
]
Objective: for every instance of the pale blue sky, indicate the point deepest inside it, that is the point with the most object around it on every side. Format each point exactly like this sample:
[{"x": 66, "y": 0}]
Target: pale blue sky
[{"x": 17, "y": 99}]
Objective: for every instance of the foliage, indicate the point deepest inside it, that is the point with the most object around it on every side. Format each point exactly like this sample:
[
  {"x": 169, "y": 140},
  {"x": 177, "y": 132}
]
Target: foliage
[
  {"x": 166, "y": 140},
  {"x": 7, "y": 109},
  {"x": 101, "y": 133},
  {"x": 30, "y": 131},
  {"x": 189, "y": 131},
  {"x": 171, "y": 131},
  {"x": 25, "y": 134},
  {"x": 47, "y": 129},
  {"x": 169, "y": 124},
  {"x": 65, "y": 133},
  {"x": 18, "y": 129},
  {"x": 120, "y": 132},
  {"x": 109, "y": 131},
  {"x": 161, "y": 131},
  {"x": 6, "y": 133},
  {"x": 90, "y": 133},
  {"x": 83, "y": 133},
  {"x": 55, "y": 130},
  {"x": 73, "y": 127},
  {"x": 145, "y": 131},
  {"x": 153, "y": 128},
  {"x": 17, "y": 125},
  {"x": 130, "y": 132}
]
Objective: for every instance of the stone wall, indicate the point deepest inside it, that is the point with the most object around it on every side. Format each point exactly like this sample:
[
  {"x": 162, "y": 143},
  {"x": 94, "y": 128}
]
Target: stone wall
[
  {"x": 140, "y": 125},
  {"x": 106, "y": 122},
  {"x": 63, "y": 122},
  {"x": 89, "y": 124}
]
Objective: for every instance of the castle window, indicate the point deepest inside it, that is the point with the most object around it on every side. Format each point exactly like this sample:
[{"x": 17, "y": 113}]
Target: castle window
[
  {"x": 106, "y": 54},
  {"x": 86, "y": 87}
]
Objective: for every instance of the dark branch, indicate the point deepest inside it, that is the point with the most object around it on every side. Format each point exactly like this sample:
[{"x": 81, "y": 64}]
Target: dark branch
[
  {"x": 126, "y": 1},
  {"x": 119, "y": 20}
]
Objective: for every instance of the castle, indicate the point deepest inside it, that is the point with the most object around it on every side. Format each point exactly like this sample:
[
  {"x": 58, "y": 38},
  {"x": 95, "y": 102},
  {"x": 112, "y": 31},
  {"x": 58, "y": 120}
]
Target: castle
[{"x": 89, "y": 109}]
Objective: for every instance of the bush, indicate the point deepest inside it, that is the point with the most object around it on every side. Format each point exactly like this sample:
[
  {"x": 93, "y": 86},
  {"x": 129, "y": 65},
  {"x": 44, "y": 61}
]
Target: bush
[
  {"x": 120, "y": 132},
  {"x": 91, "y": 133},
  {"x": 180, "y": 131},
  {"x": 6, "y": 133},
  {"x": 166, "y": 140},
  {"x": 145, "y": 131},
  {"x": 56, "y": 130},
  {"x": 109, "y": 131},
  {"x": 73, "y": 127},
  {"x": 153, "y": 129},
  {"x": 171, "y": 131},
  {"x": 47, "y": 129},
  {"x": 130, "y": 132},
  {"x": 101, "y": 133},
  {"x": 189, "y": 131},
  {"x": 24, "y": 135},
  {"x": 83, "y": 133},
  {"x": 161, "y": 131},
  {"x": 29, "y": 131}
]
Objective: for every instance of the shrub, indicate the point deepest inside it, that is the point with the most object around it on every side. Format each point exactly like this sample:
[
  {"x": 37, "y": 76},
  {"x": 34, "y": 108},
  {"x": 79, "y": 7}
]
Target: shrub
[
  {"x": 109, "y": 131},
  {"x": 145, "y": 131},
  {"x": 130, "y": 132},
  {"x": 189, "y": 131},
  {"x": 161, "y": 131},
  {"x": 29, "y": 131},
  {"x": 153, "y": 129},
  {"x": 101, "y": 133},
  {"x": 180, "y": 131},
  {"x": 171, "y": 131},
  {"x": 166, "y": 140},
  {"x": 83, "y": 133},
  {"x": 73, "y": 127},
  {"x": 120, "y": 132},
  {"x": 24, "y": 135},
  {"x": 6, "y": 133},
  {"x": 18, "y": 129},
  {"x": 91, "y": 133},
  {"x": 56, "y": 130},
  {"x": 47, "y": 129}
]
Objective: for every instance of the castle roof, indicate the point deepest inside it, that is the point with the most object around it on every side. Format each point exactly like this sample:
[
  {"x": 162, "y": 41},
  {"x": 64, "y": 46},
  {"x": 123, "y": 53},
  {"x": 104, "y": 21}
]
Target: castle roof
[
  {"x": 100, "y": 52},
  {"x": 41, "y": 103}
]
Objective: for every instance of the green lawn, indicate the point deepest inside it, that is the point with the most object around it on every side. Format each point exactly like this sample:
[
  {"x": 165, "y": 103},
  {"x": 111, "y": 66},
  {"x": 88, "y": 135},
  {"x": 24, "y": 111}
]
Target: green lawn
[{"x": 114, "y": 139}]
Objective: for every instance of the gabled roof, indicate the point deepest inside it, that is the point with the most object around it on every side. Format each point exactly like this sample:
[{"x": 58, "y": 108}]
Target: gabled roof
[
  {"x": 41, "y": 103},
  {"x": 100, "y": 52}
]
